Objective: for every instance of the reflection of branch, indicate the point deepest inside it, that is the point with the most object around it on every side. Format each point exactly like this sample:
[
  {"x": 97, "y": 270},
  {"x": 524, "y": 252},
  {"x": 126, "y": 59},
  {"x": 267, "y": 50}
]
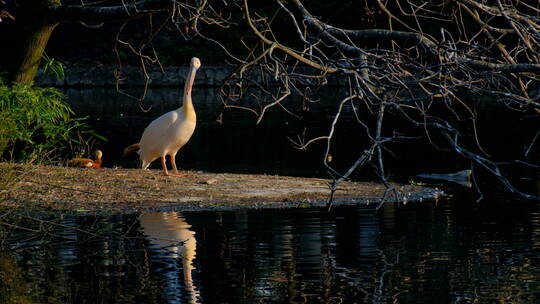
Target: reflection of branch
[{"x": 42, "y": 229}]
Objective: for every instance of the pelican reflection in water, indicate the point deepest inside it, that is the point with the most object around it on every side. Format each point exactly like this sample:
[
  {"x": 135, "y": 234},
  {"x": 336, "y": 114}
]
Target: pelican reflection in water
[{"x": 169, "y": 233}]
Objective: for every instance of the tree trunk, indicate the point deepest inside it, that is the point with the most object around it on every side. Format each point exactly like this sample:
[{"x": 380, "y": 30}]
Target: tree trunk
[{"x": 27, "y": 40}]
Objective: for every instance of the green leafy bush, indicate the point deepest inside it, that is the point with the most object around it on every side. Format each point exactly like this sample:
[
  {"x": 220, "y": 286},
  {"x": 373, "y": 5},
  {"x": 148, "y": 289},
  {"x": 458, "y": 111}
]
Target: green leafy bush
[{"x": 36, "y": 124}]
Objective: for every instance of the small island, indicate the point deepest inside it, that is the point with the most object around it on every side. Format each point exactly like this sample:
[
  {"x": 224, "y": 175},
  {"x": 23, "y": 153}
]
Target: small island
[{"x": 58, "y": 188}]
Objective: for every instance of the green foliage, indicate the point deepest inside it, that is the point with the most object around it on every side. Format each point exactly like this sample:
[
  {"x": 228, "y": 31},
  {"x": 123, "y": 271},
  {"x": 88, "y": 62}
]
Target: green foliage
[
  {"x": 37, "y": 125},
  {"x": 53, "y": 67},
  {"x": 415, "y": 183}
]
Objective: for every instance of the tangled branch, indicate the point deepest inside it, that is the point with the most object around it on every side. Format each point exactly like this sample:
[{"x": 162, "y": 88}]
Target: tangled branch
[{"x": 430, "y": 65}]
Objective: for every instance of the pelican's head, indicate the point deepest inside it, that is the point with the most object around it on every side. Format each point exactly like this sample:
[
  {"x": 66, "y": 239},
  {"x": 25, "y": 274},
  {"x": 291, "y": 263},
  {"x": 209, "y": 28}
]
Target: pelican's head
[
  {"x": 98, "y": 154},
  {"x": 195, "y": 62}
]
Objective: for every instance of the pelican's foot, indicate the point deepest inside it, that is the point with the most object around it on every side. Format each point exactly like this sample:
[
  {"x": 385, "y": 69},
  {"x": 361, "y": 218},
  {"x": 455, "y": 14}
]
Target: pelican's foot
[{"x": 175, "y": 174}]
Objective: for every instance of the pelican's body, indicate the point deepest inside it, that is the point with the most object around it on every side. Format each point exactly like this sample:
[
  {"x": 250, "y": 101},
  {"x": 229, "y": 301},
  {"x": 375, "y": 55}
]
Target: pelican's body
[
  {"x": 167, "y": 134},
  {"x": 171, "y": 131},
  {"x": 87, "y": 162}
]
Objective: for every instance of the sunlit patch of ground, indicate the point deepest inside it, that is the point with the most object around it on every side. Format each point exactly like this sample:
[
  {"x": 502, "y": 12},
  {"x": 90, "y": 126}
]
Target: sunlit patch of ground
[{"x": 74, "y": 189}]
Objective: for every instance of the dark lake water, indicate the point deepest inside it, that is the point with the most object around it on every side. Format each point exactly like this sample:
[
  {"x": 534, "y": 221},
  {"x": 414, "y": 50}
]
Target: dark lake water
[
  {"x": 450, "y": 251},
  {"x": 445, "y": 252}
]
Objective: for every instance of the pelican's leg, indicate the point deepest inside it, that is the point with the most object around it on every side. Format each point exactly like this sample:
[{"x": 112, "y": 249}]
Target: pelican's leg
[
  {"x": 164, "y": 165},
  {"x": 173, "y": 164}
]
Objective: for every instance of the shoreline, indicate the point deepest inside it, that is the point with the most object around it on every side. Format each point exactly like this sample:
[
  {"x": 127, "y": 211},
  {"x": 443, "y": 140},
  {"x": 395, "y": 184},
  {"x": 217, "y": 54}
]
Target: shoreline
[{"x": 55, "y": 188}]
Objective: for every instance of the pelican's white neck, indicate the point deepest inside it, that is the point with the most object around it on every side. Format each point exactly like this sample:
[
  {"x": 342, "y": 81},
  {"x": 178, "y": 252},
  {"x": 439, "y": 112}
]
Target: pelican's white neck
[{"x": 187, "y": 105}]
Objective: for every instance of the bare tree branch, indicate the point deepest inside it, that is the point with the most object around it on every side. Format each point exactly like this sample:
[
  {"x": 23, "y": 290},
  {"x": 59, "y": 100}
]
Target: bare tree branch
[
  {"x": 429, "y": 70},
  {"x": 97, "y": 14}
]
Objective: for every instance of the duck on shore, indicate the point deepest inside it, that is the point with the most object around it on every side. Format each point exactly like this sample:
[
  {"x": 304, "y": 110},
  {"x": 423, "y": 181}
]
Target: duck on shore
[{"x": 87, "y": 162}]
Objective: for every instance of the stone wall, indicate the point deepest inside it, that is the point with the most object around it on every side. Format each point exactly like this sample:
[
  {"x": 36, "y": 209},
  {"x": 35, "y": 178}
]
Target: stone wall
[
  {"x": 104, "y": 76},
  {"x": 133, "y": 76}
]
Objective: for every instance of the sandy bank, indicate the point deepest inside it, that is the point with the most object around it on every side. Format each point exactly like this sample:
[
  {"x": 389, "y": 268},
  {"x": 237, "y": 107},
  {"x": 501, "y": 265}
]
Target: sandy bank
[{"x": 59, "y": 188}]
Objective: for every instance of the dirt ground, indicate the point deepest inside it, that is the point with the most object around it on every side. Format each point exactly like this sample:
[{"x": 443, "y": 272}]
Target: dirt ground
[{"x": 128, "y": 190}]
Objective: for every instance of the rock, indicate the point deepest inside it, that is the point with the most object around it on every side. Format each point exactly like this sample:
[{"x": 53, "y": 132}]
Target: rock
[{"x": 211, "y": 181}]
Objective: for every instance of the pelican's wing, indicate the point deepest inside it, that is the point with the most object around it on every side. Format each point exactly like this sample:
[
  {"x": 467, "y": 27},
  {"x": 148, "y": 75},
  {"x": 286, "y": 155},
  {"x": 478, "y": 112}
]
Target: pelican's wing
[{"x": 160, "y": 125}]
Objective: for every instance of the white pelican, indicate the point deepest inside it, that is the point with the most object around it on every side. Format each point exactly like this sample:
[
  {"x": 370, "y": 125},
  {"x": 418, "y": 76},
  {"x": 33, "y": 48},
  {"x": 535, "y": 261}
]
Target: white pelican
[{"x": 169, "y": 132}]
